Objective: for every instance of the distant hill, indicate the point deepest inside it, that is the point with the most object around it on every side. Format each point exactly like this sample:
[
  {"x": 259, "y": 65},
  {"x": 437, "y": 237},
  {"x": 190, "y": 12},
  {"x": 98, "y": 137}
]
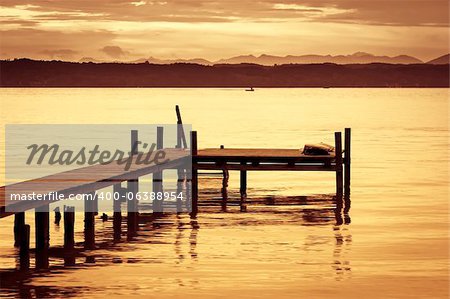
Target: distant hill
[
  {"x": 171, "y": 61},
  {"x": 31, "y": 73},
  {"x": 358, "y": 57},
  {"x": 444, "y": 59}
]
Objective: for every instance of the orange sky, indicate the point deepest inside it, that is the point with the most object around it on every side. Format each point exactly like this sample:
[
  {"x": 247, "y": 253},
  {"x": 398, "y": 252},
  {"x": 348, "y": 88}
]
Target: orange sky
[{"x": 129, "y": 30}]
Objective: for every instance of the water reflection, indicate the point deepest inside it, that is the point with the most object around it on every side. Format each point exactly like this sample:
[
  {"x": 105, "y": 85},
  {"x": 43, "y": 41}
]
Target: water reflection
[{"x": 181, "y": 232}]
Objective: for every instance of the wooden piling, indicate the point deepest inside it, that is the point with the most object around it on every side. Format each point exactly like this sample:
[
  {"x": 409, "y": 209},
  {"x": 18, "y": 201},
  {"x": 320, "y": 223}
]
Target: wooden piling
[
  {"x": 19, "y": 222},
  {"x": 132, "y": 208},
  {"x": 194, "y": 179},
  {"x": 134, "y": 142},
  {"x": 24, "y": 251},
  {"x": 181, "y": 138},
  {"x": 347, "y": 160},
  {"x": 338, "y": 152},
  {"x": 69, "y": 228},
  {"x": 225, "y": 179},
  {"x": 158, "y": 176},
  {"x": 133, "y": 188},
  {"x": 42, "y": 227},
  {"x": 117, "y": 208},
  {"x": 243, "y": 189},
  {"x": 89, "y": 222}
]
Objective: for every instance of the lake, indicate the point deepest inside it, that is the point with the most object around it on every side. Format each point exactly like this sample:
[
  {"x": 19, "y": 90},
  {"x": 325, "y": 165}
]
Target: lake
[{"x": 394, "y": 243}]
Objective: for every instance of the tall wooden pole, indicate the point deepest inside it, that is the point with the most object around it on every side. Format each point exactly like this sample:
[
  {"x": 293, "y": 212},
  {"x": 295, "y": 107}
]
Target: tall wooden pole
[
  {"x": 243, "y": 188},
  {"x": 42, "y": 222},
  {"x": 347, "y": 160},
  {"x": 194, "y": 181},
  {"x": 158, "y": 176},
  {"x": 338, "y": 152}
]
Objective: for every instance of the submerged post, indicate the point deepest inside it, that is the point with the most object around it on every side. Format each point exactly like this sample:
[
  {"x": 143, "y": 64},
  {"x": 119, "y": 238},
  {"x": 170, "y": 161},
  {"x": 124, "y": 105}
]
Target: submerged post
[
  {"x": 42, "y": 223},
  {"x": 133, "y": 186},
  {"x": 19, "y": 222},
  {"x": 69, "y": 228},
  {"x": 338, "y": 153},
  {"x": 224, "y": 191},
  {"x": 132, "y": 206},
  {"x": 158, "y": 176},
  {"x": 69, "y": 235},
  {"x": 24, "y": 251},
  {"x": 243, "y": 188},
  {"x": 347, "y": 160},
  {"x": 194, "y": 180},
  {"x": 117, "y": 209},
  {"x": 89, "y": 220}
]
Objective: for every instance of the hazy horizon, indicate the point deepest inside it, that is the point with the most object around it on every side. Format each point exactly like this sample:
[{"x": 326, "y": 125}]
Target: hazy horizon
[
  {"x": 243, "y": 56},
  {"x": 130, "y": 30}
]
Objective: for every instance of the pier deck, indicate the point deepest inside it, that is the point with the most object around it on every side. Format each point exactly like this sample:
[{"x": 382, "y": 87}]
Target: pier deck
[
  {"x": 260, "y": 159},
  {"x": 85, "y": 180}
]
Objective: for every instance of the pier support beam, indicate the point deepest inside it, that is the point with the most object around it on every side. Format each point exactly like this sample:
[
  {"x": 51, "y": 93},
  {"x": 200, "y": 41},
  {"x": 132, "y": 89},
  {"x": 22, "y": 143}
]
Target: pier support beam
[
  {"x": 133, "y": 187},
  {"x": 158, "y": 205},
  {"x": 224, "y": 191},
  {"x": 347, "y": 160},
  {"x": 180, "y": 183},
  {"x": 69, "y": 235},
  {"x": 42, "y": 226},
  {"x": 89, "y": 220},
  {"x": 24, "y": 251},
  {"x": 19, "y": 222},
  {"x": 243, "y": 189},
  {"x": 117, "y": 208},
  {"x": 194, "y": 179},
  {"x": 132, "y": 208},
  {"x": 338, "y": 151}
]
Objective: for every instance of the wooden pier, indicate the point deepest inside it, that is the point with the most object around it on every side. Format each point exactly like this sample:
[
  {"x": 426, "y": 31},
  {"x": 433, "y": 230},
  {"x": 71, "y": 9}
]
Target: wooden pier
[{"x": 89, "y": 179}]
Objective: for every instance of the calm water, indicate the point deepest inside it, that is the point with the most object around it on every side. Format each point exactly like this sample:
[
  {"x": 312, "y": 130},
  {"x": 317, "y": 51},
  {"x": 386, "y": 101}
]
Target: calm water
[{"x": 396, "y": 245}]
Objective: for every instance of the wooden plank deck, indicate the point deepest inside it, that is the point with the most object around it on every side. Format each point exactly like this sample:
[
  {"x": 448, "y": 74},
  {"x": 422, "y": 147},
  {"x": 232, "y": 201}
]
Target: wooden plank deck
[
  {"x": 84, "y": 180},
  {"x": 259, "y": 159},
  {"x": 91, "y": 178}
]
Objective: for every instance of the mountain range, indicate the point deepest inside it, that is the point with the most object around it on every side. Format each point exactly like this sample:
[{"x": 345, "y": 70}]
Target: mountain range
[{"x": 269, "y": 60}]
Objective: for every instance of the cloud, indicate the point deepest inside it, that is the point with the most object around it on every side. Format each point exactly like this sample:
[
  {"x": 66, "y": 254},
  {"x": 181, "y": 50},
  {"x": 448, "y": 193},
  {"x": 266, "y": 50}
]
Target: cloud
[
  {"x": 377, "y": 12},
  {"x": 36, "y": 43},
  {"x": 114, "y": 52},
  {"x": 138, "y": 3}
]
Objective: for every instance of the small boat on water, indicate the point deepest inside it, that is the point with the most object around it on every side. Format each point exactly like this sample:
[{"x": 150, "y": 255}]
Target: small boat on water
[{"x": 250, "y": 89}]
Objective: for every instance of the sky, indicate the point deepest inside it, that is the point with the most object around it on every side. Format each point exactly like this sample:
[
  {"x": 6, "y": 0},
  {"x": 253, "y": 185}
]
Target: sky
[{"x": 134, "y": 29}]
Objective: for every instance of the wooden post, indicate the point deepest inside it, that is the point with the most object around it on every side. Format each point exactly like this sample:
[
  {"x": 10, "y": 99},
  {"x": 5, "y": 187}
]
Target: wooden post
[
  {"x": 338, "y": 152},
  {"x": 181, "y": 139},
  {"x": 158, "y": 176},
  {"x": 243, "y": 188},
  {"x": 134, "y": 142},
  {"x": 24, "y": 251},
  {"x": 194, "y": 180},
  {"x": 69, "y": 235},
  {"x": 132, "y": 206},
  {"x": 69, "y": 228},
  {"x": 89, "y": 221},
  {"x": 224, "y": 190},
  {"x": 180, "y": 183},
  {"x": 117, "y": 208},
  {"x": 42, "y": 223},
  {"x": 347, "y": 160},
  {"x": 133, "y": 187},
  {"x": 19, "y": 222}
]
